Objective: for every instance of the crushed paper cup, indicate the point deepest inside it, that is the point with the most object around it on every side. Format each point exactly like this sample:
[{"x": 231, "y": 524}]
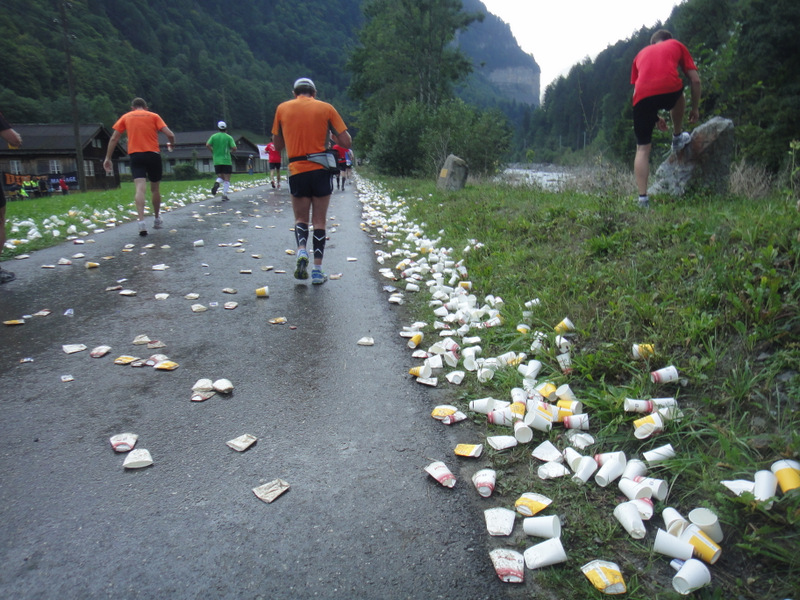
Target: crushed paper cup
[
  {"x": 605, "y": 576},
  {"x": 242, "y": 443},
  {"x": 628, "y": 516},
  {"x": 366, "y": 341},
  {"x": 547, "y": 452},
  {"x": 230, "y": 305},
  {"x": 270, "y": 491},
  {"x": 484, "y": 481},
  {"x": 166, "y": 365},
  {"x": 502, "y": 442},
  {"x": 469, "y": 450},
  {"x": 544, "y": 554},
  {"x": 137, "y": 459},
  {"x": 645, "y": 507},
  {"x": 99, "y": 351},
  {"x": 73, "y": 348},
  {"x": 199, "y": 308},
  {"x": 161, "y": 296},
  {"x": 442, "y": 411},
  {"x": 140, "y": 340},
  {"x": 531, "y": 503},
  {"x": 455, "y": 377},
  {"x": 579, "y": 439},
  {"x": 441, "y": 473},
  {"x": 229, "y": 290},
  {"x": 203, "y": 385},
  {"x": 429, "y": 381},
  {"x": 202, "y": 396},
  {"x": 739, "y": 486},
  {"x": 499, "y": 521},
  {"x": 223, "y": 386},
  {"x": 123, "y": 442},
  {"x": 508, "y": 564},
  {"x": 127, "y": 292},
  {"x": 551, "y": 470},
  {"x": 125, "y": 359}
]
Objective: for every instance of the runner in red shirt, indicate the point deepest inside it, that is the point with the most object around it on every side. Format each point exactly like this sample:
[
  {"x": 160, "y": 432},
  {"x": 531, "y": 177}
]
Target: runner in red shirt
[
  {"x": 658, "y": 86},
  {"x": 274, "y": 158}
]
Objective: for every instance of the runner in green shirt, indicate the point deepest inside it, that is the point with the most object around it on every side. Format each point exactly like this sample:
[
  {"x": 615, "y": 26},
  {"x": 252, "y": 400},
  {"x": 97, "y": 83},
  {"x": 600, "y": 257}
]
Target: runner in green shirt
[{"x": 221, "y": 144}]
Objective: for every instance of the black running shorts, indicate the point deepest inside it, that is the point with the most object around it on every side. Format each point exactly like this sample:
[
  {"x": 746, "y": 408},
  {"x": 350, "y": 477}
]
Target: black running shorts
[
  {"x": 146, "y": 164},
  {"x": 645, "y": 114},
  {"x": 311, "y": 184}
]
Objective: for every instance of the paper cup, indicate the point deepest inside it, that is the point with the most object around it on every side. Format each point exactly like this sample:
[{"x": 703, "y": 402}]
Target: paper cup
[
  {"x": 564, "y": 326},
  {"x": 262, "y": 292},
  {"x": 634, "y": 490},
  {"x": 522, "y": 432},
  {"x": 580, "y": 421},
  {"x": 637, "y": 406},
  {"x": 531, "y": 369},
  {"x": 604, "y": 457},
  {"x": 705, "y": 548},
  {"x": 669, "y": 545},
  {"x": 584, "y": 470},
  {"x": 547, "y": 452},
  {"x": 549, "y": 552},
  {"x": 486, "y": 405},
  {"x": 137, "y": 459},
  {"x": 665, "y": 375},
  {"x": 633, "y": 468},
  {"x": 518, "y": 410},
  {"x": 508, "y": 564},
  {"x": 766, "y": 484},
  {"x": 543, "y": 527},
  {"x": 552, "y": 470},
  {"x": 415, "y": 339},
  {"x": 706, "y": 520},
  {"x": 530, "y": 503},
  {"x": 123, "y": 442},
  {"x": 439, "y": 471},
  {"x": 501, "y": 416},
  {"x": 423, "y": 371},
  {"x": 499, "y": 521},
  {"x": 519, "y": 395},
  {"x": 484, "y": 481},
  {"x": 630, "y": 519},
  {"x": 646, "y": 426},
  {"x": 787, "y": 473},
  {"x": 564, "y": 392},
  {"x": 539, "y": 419},
  {"x": 609, "y": 471},
  {"x": 605, "y": 576},
  {"x": 572, "y": 457},
  {"x": 565, "y": 363},
  {"x": 692, "y": 575},
  {"x": 659, "y": 454},
  {"x": 674, "y": 521},
  {"x": 642, "y": 351},
  {"x": 659, "y": 487},
  {"x": 644, "y": 506}
]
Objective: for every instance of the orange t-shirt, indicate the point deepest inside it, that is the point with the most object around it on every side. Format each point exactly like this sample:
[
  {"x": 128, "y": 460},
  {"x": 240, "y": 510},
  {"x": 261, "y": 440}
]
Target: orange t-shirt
[
  {"x": 142, "y": 127},
  {"x": 304, "y": 124}
]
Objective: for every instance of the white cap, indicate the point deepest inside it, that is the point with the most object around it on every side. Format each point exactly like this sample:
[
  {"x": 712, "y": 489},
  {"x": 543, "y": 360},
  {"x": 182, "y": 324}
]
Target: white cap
[
  {"x": 304, "y": 82},
  {"x": 222, "y": 125}
]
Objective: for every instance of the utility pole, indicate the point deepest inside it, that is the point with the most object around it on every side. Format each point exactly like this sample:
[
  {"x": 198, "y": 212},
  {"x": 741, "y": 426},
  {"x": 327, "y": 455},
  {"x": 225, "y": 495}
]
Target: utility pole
[{"x": 62, "y": 9}]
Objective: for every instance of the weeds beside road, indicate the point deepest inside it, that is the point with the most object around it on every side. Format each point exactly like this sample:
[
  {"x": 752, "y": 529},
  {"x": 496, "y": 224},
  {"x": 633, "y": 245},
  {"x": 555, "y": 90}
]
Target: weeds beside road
[{"x": 713, "y": 284}]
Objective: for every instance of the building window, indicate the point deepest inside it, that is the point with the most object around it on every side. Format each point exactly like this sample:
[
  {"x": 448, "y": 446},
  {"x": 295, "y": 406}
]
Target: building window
[
  {"x": 96, "y": 143},
  {"x": 55, "y": 167},
  {"x": 88, "y": 168},
  {"x": 15, "y": 166}
]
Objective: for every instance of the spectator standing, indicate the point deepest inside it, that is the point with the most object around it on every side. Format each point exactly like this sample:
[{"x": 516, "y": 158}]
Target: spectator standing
[
  {"x": 274, "y": 158},
  {"x": 658, "y": 86},
  {"x": 302, "y": 126},
  {"x": 62, "y": 184},
  {"x": 250, "y": 165},
  {"x": 142, "y": 127},
  {"x": 221, "y": 145},
  {"x": 14, "y": 140}
]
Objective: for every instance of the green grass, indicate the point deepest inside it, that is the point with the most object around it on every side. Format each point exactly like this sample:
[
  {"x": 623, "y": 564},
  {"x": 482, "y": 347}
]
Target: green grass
[
  {"x": 713, "y": 282},
  {"x": 38, "y": 223}
]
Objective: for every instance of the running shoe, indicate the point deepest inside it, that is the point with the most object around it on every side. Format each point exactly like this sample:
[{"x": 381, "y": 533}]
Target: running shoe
[
  {"x": 225, "y": 198},
  {"x": 214, "y": 188},
  {"x": 318, "y": 277},
  {"x": 6, "y": 276},
  {"x": 301, "y": 270},
  {"x": 679, "y": 141},
  {"x": 158, "y": 223},
  {"x": 142, "y": 228}
]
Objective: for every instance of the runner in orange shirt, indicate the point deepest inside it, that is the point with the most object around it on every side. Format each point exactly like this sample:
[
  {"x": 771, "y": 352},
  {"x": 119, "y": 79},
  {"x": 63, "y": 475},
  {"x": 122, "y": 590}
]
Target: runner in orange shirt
[
  {"x": 142, "y": 127},
  {"x": 302, "y": 126}
]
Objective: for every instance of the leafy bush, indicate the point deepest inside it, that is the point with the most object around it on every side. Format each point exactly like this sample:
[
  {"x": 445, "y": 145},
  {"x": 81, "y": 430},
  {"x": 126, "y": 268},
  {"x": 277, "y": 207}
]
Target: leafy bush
[{"x": 185, "y": 172}]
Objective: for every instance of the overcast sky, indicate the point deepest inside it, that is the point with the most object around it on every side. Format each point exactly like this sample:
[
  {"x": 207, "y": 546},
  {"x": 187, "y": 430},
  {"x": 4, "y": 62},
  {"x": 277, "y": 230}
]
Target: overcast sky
[{"x": 561, "y": 33}]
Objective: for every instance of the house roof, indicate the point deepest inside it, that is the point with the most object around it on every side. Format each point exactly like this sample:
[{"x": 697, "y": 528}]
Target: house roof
[{"x": 55, "y": 138}]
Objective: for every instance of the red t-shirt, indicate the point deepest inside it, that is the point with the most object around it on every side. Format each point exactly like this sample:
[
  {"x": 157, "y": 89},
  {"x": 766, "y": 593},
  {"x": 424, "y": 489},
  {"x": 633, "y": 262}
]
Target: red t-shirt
[
  {"x": 273, "y": 155},
  {"x": 655, "y": 69},
  {"x": 341, "y": 151}
]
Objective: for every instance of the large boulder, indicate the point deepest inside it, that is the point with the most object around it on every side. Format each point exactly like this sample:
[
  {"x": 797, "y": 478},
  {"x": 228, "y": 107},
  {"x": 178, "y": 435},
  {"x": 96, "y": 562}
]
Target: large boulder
[
  {"x": 453, "y": 175},
  {"x": 703, "y": 165}
]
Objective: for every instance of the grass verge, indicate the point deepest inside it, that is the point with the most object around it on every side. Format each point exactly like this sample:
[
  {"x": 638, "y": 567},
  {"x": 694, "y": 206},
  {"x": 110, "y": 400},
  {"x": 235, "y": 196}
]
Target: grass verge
[{"x": 713, "y": 283}]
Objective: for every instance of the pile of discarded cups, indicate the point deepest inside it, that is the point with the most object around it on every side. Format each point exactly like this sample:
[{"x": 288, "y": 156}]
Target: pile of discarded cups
[{"x": 535, "y": 406}]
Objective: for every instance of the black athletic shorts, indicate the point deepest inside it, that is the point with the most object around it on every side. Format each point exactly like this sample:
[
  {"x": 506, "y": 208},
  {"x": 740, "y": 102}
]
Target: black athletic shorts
[
  {"x": 311, "y": 184},
  {"x": 223, "y": 169},
  {"x": 645, "y": 114},
  {"x": 146, "y": 164},
  {"x": 275, "y": 165},
  {"x": 2, "y": 199}
]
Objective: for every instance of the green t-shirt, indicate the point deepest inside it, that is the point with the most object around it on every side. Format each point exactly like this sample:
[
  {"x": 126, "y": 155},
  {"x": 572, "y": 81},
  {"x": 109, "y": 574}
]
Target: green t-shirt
[{"x": 221, "y": 145}]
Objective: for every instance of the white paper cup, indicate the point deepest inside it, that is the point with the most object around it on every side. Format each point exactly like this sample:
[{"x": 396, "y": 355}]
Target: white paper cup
[
  {"x": 642, "y": 351},
  {"x": 531, "y": 503},
  {"x": 519, "y": 395},
  {"x": 706, "y": 520},
  {"x": 538, "y": 419},
  {"x": 484, "y": 481},
  {"x": 580, "y": 421},
  {"x": 610, "y": 470},
  {"x": 669, "y": 545},
  {"x": 499, "y": 521},
  {"x": 501, "y": 416},
  {"x": 705, "y": 548},
  {"x": 552, "y": 470},
  {"x": 645, "y": 507},
  {"x": 531, "y": 369},
  {"x": 137, "y": 459},
  {"x": 637, "y": 406},
  {"x": 485, "y": 374},
  {"x": 633, "y": 468},
  {"x": 646, "y": 426},
  {"x": 486, "y": 405},
  {"x": 547, "y": 452},
  {"x": 543, "y": 527},
  {"x": 655, "y": 455},
  {"x": 549, "y": 552},
  {"x": 634, "y": 490},
  {"x": 575, "y": 407},
  {"x": 565, "y": 362},
  {"x": 564, "y": 326},
  {"x": 788, "y": 474},
  {"x": 665, "y": 375},
  {"x": 674, "y": 522},
  {"x": 584, "y": 469},
  {"x": 604, "y": 457},
  {"x": 766, "y": 484},
  {"x": 522, "y": 432},
  {"x": 690, "y": 577},
  {"x": 518, "y": 410},
  {"x": 572, "y": 457},
  {"x": 630, "y": 519},
  {"x": 508, "y": 564},
  {"x": 659, "y": 487},
  {"x": 439, "y": 471},
  {"x": 564, "y": 392}
]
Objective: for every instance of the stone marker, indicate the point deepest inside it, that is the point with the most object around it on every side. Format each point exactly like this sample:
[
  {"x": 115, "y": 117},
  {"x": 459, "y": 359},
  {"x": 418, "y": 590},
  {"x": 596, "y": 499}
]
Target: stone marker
[{"x": 453, "y": 175}]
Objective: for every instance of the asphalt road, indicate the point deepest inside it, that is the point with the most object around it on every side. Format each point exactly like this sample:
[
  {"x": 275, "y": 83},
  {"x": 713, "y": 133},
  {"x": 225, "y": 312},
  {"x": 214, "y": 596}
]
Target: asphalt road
[{"x": 343, "y": 424}]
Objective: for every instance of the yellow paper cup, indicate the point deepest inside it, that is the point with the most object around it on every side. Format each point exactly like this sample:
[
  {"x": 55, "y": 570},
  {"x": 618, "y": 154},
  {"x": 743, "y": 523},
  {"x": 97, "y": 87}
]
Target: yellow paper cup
[
  {"x": 262, "y": 292},
  {"x": 788, "y": 474},
  {"x": 705, "y": 548}
]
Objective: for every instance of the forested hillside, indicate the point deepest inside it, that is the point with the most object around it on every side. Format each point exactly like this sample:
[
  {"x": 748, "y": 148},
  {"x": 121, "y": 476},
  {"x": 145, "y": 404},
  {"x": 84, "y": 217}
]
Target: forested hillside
[
  {"x": 196, "y": 61},
  {"x": 748, "y": 58}
]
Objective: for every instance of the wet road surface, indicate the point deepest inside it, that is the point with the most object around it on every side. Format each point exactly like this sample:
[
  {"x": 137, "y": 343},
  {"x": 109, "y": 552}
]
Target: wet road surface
[{"x": 341, "y": 423}]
